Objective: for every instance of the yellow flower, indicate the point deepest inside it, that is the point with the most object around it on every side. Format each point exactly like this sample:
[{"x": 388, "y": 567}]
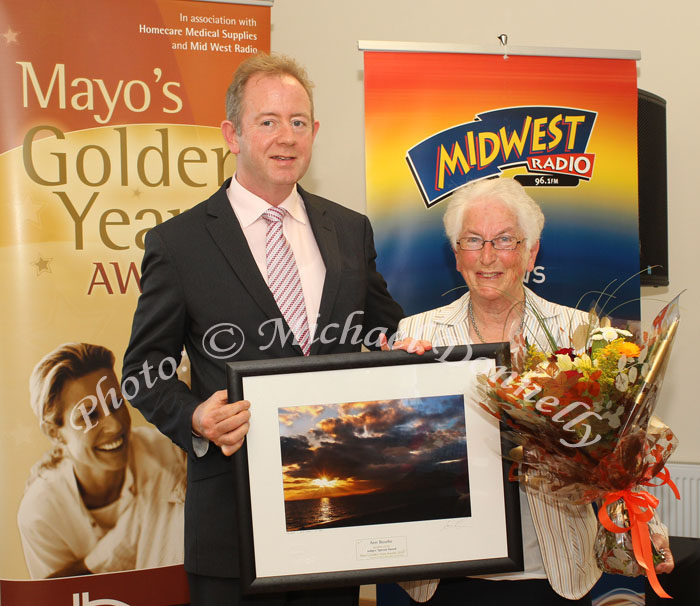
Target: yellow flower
[
  {"x": 564, "y": 362},
  {"x": 534, "y": 358},
  {"x": 631, "y": 350},
  {"x": 583, "y": 363}
]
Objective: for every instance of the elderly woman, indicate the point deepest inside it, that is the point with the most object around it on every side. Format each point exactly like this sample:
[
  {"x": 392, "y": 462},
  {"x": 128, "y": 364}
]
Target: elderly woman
[
  {"x": 494, "y": 228},
  {"x": 107, "y": 497}
]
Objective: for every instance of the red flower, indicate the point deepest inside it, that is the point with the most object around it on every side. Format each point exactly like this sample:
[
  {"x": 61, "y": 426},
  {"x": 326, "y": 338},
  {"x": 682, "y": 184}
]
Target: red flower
[
  {"x": 565, "y": 351},
  {"x": 593, "y": 388},
  {"x": 580, "y": 387}
]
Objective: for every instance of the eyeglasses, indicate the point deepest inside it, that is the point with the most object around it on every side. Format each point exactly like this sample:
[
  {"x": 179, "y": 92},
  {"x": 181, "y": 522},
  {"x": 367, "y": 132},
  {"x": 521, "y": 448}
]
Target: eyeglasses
[{"x": 499, "y": 243}]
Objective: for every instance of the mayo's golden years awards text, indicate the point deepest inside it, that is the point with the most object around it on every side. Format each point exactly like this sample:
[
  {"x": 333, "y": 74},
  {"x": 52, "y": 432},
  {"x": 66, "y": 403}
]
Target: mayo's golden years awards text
[{"x": 103, "y": 187}]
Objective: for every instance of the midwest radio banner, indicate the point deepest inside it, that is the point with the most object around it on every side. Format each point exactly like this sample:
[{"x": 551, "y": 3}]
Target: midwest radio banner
[
  {"x": 109, "y": 115},
  {"x": 565, "y": 127}
]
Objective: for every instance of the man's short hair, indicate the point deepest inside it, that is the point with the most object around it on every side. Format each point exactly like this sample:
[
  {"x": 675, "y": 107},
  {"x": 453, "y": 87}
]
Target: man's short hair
[{"x": 269, "y": 65}]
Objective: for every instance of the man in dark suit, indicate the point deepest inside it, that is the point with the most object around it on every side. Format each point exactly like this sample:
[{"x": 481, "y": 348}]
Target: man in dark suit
[{"x": 205, "y": 287}]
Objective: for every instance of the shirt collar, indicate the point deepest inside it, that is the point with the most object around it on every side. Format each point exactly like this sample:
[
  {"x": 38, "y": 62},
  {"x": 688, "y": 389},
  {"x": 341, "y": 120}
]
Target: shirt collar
[
  {"x": 537, "y": 306},
  {"x": 456, "y": 313},
  {"x": 126, "y": 494},
  {"x": 248, "y": 207}
]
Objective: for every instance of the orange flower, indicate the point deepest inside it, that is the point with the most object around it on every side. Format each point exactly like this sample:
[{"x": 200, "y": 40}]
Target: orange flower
[{"x": 631, "y": 350}]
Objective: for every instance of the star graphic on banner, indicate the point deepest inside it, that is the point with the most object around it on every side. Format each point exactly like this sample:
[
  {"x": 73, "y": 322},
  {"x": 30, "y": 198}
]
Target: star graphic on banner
[
  {"x": 32, "y": 208},
  {"x": 42, "y": 265},
  {"x": 10, "y": 36},
  {"x": 137, "y": 192}
]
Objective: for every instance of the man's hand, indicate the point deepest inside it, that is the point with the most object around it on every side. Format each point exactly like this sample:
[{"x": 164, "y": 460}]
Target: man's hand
[
  {"x": 224, "y": 423},
  {"x": 410, "y": 345}
]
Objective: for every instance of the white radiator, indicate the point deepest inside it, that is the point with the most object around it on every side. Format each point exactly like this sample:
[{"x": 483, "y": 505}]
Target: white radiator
[{"x": 682, "y": 517}]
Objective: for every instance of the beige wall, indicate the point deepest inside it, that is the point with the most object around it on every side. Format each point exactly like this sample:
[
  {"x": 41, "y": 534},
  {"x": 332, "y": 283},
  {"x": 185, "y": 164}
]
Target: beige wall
[{"x": 323, "y": 34}]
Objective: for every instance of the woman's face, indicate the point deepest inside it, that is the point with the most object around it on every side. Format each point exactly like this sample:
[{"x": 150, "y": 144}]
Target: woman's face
[
  {"x": 104, "y": 446},
  {"x": 491, "y": 274}
]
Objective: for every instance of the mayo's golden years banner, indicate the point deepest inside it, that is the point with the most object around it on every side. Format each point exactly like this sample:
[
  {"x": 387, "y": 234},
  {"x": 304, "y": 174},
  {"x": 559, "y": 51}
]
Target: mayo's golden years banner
[
  {"x": 565, "y": 127},
  {"x": 110, "y": 124}
]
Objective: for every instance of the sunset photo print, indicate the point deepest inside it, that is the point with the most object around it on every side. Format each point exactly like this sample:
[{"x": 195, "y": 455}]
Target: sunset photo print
[{"x": 378, "y": 462}]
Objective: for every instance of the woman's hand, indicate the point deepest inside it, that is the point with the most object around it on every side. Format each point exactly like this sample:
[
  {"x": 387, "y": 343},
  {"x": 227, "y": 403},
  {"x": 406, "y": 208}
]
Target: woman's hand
[
  {"x": 417, "y": 346},
  {"x": 661, "y": 543}
]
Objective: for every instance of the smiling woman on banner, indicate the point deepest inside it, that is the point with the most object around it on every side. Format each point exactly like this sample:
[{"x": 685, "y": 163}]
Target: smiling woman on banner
[
  {"x": 494, "y": 229},
  {"x": 107, "y": 497}
]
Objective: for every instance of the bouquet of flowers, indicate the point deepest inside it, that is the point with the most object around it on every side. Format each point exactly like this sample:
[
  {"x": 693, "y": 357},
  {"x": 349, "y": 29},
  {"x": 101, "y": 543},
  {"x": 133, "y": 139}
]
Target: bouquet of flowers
[{"x": 581, "y": 420}]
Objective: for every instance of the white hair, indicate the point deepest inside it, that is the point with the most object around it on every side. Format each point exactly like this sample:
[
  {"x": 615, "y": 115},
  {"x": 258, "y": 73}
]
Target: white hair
[{"x": 508, "y": 191}]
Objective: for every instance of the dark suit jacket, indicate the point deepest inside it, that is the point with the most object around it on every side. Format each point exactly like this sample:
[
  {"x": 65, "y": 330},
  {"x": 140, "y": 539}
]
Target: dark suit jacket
[{"x": 198, "y": 273}]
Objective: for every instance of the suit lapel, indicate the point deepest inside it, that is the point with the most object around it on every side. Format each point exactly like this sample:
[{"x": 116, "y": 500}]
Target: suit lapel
[
  {"x": 324, "y": 229},
  {"x": 228, "y": 236}
]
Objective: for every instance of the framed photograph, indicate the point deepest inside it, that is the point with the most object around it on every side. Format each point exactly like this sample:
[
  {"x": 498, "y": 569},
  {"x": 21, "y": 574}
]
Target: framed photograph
[{"x": 372, "y": 467}]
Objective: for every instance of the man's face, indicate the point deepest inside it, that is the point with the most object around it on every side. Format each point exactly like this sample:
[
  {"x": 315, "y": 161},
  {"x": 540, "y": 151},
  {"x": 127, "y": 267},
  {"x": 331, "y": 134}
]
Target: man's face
[{"x": 276, "y": 135}]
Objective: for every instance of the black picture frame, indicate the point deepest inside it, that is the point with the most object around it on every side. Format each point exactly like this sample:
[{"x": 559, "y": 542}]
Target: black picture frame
[{"x": 275, "y": 555}]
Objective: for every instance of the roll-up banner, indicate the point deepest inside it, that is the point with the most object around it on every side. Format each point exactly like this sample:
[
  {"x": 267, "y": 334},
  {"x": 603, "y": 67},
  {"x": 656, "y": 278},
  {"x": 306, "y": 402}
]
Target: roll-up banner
[
  {"x": 109, "y": 125},
  {"x": 561, "y": 121}
]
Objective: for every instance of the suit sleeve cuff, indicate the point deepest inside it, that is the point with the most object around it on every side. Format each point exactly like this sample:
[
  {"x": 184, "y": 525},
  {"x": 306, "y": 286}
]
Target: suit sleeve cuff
[{"x": 199, "y": 445}]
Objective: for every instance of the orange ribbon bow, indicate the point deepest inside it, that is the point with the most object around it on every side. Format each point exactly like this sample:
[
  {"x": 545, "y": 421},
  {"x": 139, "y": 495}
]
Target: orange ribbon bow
[{"x": 640, "y": 509}]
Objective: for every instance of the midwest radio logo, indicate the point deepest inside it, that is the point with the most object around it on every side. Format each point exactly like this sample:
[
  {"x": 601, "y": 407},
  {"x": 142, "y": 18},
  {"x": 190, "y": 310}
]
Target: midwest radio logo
[{"x": 552, "y": 142}]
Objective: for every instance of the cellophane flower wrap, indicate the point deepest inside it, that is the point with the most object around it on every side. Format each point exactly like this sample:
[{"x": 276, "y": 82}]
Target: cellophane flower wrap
[{"x": 581, "y": 421}]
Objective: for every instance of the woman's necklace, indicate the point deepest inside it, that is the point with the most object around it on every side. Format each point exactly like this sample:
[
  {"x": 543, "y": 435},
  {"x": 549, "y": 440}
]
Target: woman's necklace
[
  {"x": 470, "y": 310},
  {"x": 473, "y": 321}
]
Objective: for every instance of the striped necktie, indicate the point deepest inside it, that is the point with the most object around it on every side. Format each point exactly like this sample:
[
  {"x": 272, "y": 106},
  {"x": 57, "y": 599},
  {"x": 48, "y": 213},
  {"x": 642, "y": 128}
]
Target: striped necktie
[{"x": 283, "y": 278}]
